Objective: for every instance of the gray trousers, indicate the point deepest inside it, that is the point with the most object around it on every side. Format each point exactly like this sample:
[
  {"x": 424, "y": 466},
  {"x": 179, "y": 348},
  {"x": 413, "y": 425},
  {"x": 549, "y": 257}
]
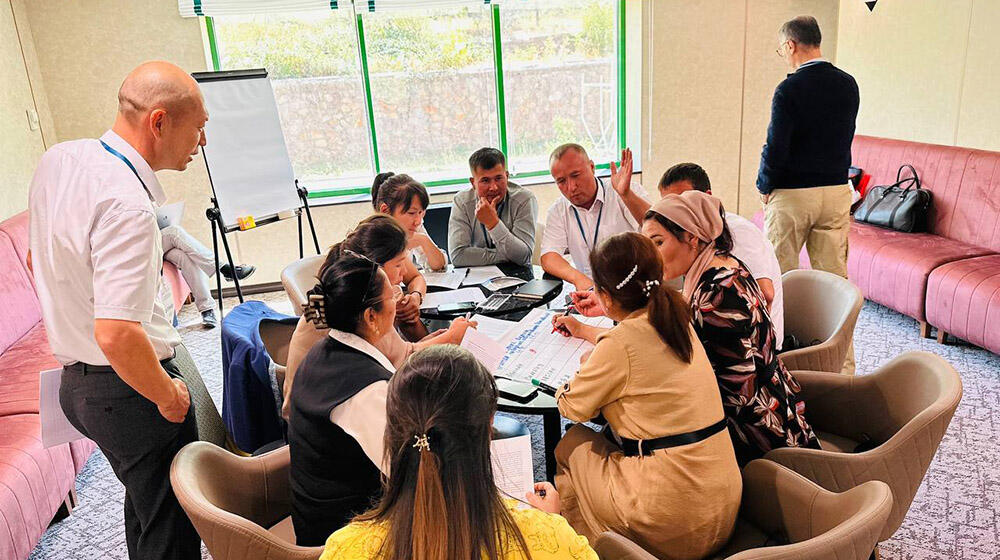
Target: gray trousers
[{"x": 140, "y": 445}]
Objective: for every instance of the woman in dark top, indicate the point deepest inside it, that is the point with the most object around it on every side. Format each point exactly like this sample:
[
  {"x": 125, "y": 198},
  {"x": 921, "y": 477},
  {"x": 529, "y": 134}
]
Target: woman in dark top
[
  {"x": 337, "y": 406},
  {"x": 730, "y": 315}
]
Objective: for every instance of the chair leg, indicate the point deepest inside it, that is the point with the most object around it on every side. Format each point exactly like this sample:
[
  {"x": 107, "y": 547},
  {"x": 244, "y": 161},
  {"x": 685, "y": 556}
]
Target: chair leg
[
  {"x": 925, "y": 329},
  {"x": 66, "y": 507},
  {"x": 942, "y": 336},
  {"x": 875, "y": 554}
]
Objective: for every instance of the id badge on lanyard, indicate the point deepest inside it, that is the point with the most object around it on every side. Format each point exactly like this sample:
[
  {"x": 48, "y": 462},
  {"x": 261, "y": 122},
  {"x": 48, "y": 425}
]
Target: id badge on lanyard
[{"x": 597, "y": 228}]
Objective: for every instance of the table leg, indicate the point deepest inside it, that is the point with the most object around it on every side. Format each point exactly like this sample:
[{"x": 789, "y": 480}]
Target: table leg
[{"x": 552, "y": 424}]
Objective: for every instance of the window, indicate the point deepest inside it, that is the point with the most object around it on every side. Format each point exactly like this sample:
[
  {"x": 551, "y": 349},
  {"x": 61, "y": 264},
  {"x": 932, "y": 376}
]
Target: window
[{"x": 417, "y": 91}]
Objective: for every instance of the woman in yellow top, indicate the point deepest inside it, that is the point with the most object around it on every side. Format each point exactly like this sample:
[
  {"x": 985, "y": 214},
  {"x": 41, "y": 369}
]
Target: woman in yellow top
[
  {"x": 663, "y": 473},
  {"x": 440, "y": 502}
]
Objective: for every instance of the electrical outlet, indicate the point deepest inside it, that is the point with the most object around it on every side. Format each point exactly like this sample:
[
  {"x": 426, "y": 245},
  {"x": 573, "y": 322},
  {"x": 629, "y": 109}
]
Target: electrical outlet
[{"x": 33, "y": 119}]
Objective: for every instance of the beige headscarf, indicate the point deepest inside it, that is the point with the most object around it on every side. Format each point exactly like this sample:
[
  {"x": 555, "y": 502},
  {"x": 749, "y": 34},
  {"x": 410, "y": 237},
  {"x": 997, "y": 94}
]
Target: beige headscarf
[{"x": 700, "y": 215}]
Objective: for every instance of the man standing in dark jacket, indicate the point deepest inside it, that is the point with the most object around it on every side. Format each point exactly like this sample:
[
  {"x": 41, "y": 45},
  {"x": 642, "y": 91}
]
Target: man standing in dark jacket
[{"x": 803, "y": 167}]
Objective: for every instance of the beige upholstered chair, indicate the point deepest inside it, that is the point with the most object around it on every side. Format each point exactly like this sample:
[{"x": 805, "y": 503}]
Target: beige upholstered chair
[
  {"x": 902, "y": 410},
  {"x": 231, "y": 500},
  {"x": 819, "y": 307},
  {"x": 300, "y": 277},
  {"x": 536, "y": 251},
  {"x": 785, "y": 516}
]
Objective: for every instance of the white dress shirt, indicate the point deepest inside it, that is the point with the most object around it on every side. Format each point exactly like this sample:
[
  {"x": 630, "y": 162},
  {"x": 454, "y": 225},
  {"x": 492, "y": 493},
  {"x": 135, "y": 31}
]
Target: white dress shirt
[
  {"x": 751, "y": 246},
  {"x": 363, "y": 416},
  {"x": 95, "y": 247},
  {"x": 562, "y": 232}
]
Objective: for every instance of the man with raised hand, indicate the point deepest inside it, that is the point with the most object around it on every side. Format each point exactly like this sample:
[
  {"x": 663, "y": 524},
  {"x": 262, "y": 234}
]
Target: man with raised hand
[{"x": 588, "y": 211}]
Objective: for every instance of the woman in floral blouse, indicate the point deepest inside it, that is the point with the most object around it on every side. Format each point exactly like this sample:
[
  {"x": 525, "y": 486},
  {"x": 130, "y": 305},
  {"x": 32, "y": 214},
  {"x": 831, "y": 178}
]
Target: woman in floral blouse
[{"x": 729, "y": 312}]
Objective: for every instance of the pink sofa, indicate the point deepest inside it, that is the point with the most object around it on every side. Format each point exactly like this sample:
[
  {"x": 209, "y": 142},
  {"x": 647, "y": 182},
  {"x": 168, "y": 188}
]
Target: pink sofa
[
  {"x": 948, "y": 277},
  {"x": 34, "y": 482}
]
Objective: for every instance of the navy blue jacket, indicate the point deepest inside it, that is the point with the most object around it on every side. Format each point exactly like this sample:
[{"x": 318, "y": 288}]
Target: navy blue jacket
[{"x": 812, "y": 127}]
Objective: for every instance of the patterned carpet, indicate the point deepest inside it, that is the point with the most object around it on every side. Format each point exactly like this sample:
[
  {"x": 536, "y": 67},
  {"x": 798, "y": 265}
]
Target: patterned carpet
[{"x": 954, "y": 514}]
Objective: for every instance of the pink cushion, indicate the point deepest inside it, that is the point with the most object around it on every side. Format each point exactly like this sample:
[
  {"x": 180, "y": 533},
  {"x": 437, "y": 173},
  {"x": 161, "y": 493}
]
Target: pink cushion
[
  {"x": 16, "y": 227},
  {"x": 178, "y": 287},
  {"x": 19, "y": 309},
  {"x": 33, "y": 483},
  {"x": 963, "y": 298},
  {"x": 19, "y": 368},
  {"x": 891, "y": 268},
  {"x": 976, "y": 219}
]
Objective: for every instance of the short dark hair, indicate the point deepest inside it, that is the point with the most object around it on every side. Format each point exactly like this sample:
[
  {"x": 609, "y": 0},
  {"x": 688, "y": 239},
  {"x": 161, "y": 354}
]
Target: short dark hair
[
  {"x": 486, "y": 158},
  {"x": 804, "y": 30},
  {"x": 687, "y": 172}
]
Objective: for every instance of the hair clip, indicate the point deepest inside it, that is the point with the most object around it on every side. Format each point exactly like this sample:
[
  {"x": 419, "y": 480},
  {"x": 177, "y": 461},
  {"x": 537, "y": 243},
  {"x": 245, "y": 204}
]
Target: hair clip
[
  {"x": 315, "y": 310},
  {"x": 627, "y": 278},
  {"x": 647, "y": 286},
  {"x": 422, "y": 442}
]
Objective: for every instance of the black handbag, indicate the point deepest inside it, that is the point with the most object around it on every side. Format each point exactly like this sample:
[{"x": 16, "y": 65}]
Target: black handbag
[{"x": 901, "y": 206}]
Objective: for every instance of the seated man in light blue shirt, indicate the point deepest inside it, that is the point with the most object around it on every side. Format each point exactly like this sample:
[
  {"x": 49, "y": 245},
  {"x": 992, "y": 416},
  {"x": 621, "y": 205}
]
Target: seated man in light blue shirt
[{"x": 494, "y": 221}]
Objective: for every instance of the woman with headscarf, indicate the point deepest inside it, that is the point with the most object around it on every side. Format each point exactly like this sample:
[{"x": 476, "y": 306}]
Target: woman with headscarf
[{"x": 729, "y": 313}]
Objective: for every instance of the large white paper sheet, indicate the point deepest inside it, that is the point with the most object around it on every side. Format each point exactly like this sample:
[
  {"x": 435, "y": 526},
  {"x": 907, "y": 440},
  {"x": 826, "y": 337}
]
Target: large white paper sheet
[
  {"x": 533, "y": 351},
  {"x": 488, "y": 351},
  {"x": 496, "y": 329},
  {"x": 56, "y": 429}
]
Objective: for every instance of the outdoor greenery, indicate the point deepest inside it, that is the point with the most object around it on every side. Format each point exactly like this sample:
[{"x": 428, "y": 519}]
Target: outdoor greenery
[{"x": 431, "y": 81}]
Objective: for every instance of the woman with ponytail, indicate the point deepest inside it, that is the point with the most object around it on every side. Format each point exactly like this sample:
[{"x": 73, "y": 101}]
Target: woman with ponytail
[
  {"x": 440, "y": 502},
  {"x": 405, "y": 199},
  {"x": 663, "y": 472}
]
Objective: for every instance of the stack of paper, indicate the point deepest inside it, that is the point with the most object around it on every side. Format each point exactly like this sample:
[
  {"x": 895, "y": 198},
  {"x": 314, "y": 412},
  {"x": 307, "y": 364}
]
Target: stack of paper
[
  {"x": 513, "y": 470},
  {"x": 479, "y": 274},
  {"x": 496, "y": 329},
  {"x": 434, "y": 299},
  {"x": 450, "y": 279}
]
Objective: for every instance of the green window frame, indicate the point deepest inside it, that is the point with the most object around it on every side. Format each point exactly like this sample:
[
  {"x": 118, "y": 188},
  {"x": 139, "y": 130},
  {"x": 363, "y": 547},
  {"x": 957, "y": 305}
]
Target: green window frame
[{"x": 351, "y": 193}]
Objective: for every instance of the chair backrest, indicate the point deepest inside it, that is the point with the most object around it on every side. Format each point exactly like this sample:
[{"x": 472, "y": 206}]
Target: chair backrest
[
  {"x": 231, "y": 500},
  {"x": 782, "y": 506},
  {"x": 905, "y": 407},
  {"x": 819, "y": 304},
  {"x": 780, "y": 503},
  {"x": 300, "y": 277},
  {"x": 436, "y": 224}
]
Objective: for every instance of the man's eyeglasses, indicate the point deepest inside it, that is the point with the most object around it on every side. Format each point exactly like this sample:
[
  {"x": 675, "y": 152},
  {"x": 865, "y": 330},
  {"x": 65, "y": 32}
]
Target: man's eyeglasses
[{"x": 780, "y": 51}]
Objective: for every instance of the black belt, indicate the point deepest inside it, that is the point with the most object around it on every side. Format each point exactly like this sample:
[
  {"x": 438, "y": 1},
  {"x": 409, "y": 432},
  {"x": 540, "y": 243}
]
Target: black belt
[
  {"x": 637, "y": 447},
  {"x": 86, "y": 369}
]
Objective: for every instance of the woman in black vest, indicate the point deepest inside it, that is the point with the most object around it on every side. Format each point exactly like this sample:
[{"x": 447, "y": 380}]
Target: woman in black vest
[{"x": 338, "y": 402}]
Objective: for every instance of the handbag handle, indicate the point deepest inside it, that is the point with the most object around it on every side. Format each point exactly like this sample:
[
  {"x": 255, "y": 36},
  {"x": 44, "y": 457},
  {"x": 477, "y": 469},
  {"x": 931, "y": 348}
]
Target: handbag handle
[{"x": 914, "y": 178}]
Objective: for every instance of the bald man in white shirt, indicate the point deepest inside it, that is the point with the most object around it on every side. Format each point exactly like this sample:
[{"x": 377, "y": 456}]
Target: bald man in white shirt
[
  {"x": 96, "y": 257},
  {"x": 588, "y": 212}
]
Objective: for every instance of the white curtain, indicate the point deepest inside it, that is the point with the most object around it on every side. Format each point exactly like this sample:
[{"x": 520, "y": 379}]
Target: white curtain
[{"x": 194, "y": 8}]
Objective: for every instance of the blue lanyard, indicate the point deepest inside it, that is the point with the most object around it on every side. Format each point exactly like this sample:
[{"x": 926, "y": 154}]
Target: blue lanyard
[
  {"x": 118, "y": 155},
  {"x": 486, "y": 236},
  {"x": 597, "y": 229}
]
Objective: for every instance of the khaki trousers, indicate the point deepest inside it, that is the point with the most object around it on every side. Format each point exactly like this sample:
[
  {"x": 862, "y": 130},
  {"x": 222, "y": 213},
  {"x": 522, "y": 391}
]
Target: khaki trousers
[
  {"x": 817, "y": 217},
  {"x": 820, "y": 219}
]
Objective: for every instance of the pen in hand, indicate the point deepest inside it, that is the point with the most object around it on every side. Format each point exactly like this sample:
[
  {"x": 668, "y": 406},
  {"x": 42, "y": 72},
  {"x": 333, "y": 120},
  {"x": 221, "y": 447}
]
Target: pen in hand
[{"x": 561, "y": 328}]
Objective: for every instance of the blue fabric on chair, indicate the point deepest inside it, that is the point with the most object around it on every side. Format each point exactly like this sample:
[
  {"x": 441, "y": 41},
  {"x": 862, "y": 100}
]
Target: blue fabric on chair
[{"x": 248, "y": 399}]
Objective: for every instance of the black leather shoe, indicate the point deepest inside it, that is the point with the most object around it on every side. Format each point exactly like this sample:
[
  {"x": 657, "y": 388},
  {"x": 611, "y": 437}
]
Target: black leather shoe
[{"x": 242, "y": 271}]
